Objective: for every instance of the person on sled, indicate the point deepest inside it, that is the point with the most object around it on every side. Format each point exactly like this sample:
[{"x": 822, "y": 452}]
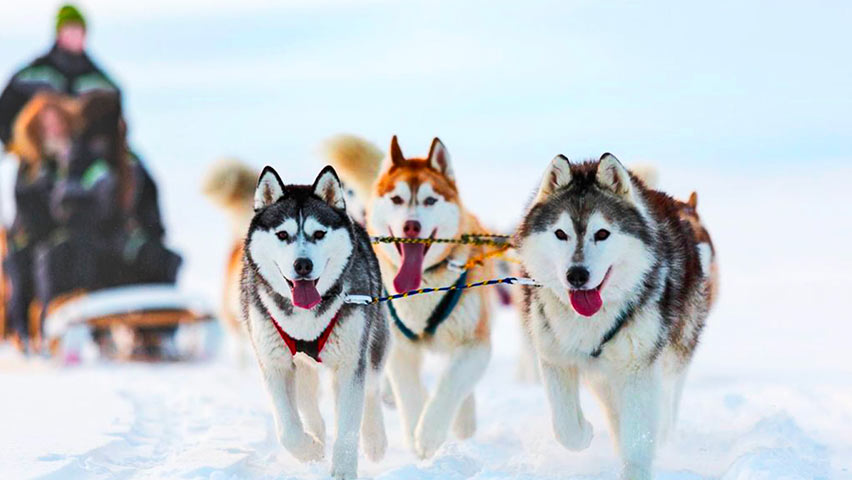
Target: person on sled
[
  {"x": 88, "y": 216},
  {"x": 66, "y": 69}
]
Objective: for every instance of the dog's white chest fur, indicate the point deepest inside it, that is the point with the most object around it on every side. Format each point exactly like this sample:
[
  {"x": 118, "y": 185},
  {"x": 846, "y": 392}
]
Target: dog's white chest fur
[
  {"x": 300, "y": 324},
  {"x": 415, "y": 311},
  {"x": 565, "y": 337}
]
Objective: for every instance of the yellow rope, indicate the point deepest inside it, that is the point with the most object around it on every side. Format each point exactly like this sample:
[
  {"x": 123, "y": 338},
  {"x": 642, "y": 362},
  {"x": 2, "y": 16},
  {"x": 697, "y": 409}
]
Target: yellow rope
[
  {"x": 478, "y": 260},
  {"x": 499, "y": 241},
  {"x": 489, "y": 239}
]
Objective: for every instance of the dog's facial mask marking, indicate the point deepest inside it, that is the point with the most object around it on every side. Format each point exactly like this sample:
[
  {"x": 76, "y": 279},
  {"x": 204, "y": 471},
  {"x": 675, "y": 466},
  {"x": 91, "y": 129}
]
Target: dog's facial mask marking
[
  {"x": 417, "y": 199},
  {"x": 583, "y": 232},
  {"x": 301, "y": 245}
]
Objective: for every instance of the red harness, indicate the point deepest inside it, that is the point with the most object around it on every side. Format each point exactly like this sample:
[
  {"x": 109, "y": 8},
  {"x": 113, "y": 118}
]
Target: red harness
[{"x": 311, "y": 348}]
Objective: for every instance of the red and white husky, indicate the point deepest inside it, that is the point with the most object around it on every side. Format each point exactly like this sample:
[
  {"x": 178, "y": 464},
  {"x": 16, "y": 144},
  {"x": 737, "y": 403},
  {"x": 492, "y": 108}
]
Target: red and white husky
[{"x": 418, "y": 198}]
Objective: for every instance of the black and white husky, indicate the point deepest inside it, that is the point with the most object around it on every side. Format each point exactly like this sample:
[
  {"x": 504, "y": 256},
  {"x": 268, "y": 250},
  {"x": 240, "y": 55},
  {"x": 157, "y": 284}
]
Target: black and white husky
[
  {"x": 625, "y": 293},
  {"x": 303, "y": 255}
]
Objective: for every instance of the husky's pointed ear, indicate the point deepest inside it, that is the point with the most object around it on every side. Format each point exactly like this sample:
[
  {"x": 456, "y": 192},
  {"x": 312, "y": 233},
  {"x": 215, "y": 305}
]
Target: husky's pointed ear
[
  {"x": 396, "y": 152},
  {"x": 439, "y": 158},
  {"x": 269, "y": 189},
  {"x": 558, "y": 174},
  {"x": 693, "y": 200},
  {"x": 327, "y": 186},
  {"x": 613, "y": 176}
]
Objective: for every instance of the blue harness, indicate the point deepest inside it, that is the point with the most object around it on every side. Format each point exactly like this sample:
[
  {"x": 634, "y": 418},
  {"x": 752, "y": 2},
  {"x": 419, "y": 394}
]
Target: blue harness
[{"x": 441, "y": 312}]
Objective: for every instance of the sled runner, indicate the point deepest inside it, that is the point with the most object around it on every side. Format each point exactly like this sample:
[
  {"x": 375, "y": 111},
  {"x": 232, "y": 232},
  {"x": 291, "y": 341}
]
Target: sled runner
[
  {"x": 149, "y": 313},
  {"x": 133, "y": 306}
]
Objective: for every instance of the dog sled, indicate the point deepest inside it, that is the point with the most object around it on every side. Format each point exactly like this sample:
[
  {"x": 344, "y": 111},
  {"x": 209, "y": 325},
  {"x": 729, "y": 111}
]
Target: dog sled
[
  {"x": 135, "y": 322},
  {"x": 125, "y": 323}
]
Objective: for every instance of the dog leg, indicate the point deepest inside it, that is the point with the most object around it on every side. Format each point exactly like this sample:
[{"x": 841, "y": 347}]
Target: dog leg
[
  {"x": 673, "y": 374},
  {"x": 307, "y": 394},
  {"x": 639, "y": 413},
  {"x": 562, "y": 387},
  {"x": 467, "y": 364},
  {"x": 403, "y": 371},
  {"x": 464, "y": 426},
  {"x": 679, "y": 381},
  {"x": 609, "y": 404},
  {"x": 387, "y": 392},
  {"x": 281, "y": 384},
  {"x": 349, "y": 408},
  {"x": 373, "y": 436},
  {"x": 666, "y": 402},
  {"x": 527, "y": 364}
]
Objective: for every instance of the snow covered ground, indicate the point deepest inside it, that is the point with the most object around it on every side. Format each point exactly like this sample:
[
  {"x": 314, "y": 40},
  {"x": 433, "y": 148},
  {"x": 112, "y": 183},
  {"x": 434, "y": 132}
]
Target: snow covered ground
[{"x": 211, "y": 420}]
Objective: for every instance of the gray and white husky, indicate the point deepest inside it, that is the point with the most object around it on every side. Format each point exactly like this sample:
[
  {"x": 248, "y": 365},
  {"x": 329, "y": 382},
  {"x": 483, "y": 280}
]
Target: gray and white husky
[
  {"x": 624, "y": 297},
  {"x": 303, "y": 255}
]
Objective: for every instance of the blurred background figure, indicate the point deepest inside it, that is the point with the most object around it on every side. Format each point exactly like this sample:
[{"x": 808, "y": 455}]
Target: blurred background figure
[
  {"x": 87, "y": 214},
  {"x": 65, "y": 68},
  {"x": 229, "y": 184}
]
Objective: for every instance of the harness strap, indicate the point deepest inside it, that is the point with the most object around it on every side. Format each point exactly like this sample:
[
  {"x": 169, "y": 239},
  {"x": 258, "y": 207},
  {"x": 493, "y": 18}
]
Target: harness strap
[
  {"x": 311, "y": 348},
  {"x": 442, "y": 311},
  {"x": 619, "y": 324},
  {"x": 400, "y": 325}
]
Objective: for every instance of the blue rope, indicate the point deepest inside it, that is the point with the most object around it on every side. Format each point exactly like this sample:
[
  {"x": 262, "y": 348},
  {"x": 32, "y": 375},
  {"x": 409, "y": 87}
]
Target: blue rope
[{"x": 442, "y": 311}]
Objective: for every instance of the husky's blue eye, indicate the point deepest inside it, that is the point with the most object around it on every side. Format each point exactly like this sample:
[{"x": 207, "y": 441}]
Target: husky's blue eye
[
  {"x": 430, "y": 201},
  {"x": 601, "y": 235},
  {"x": 283, "y": 236},
  {"x": 397, "y": 200},
  {"x": 561, "y": 235},
  {"x": 319, "y": 235}
]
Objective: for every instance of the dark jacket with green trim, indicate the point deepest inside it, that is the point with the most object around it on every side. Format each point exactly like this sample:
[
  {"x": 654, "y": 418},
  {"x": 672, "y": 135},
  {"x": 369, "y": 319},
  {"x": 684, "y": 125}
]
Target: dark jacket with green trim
[{"x": 58, "y": 70}]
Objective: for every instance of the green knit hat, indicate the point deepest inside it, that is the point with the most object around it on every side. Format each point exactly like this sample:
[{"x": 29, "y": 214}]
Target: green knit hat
[{"x": 69, "y": 14}]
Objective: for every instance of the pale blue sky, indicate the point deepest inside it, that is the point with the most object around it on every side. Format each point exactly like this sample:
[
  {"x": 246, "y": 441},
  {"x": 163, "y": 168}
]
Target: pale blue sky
[{"x": 502, "y": 82}]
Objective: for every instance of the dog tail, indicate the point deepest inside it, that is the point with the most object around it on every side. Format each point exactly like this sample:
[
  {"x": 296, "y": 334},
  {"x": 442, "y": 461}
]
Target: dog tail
[
  {"x": 230, "y": 183},
  {"x": 647, "y": 173},
  {"x": 356, "y": 160}
]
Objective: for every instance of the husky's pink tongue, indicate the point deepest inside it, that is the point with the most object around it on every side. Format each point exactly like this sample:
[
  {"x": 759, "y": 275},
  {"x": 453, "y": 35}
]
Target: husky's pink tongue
[
  {"x": 586, "y": 302},
  {"x": 305, "y": 294},
  {"x": 411, "y": 271}
]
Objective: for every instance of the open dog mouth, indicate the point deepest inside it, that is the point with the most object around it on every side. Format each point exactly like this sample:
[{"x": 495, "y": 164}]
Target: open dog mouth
[
  {"x": 410, "y": 272},
  {"x": 588, "y": 302},
  {"x": 303, "y": 292}
]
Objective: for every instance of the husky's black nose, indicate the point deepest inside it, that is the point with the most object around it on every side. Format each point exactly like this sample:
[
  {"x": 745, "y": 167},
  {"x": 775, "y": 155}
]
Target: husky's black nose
[
  {"x": 303, "y": 266},
  {"x": 578, "y": 276}
]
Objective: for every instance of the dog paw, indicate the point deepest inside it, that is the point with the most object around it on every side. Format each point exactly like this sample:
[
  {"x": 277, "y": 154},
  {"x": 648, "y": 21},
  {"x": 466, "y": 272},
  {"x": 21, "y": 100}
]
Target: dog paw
[
  {"x": 343, "y": 473},
  {"x": 574, "y": 437},
  {"x": 428, "y": 439},
  {"x": 375, "y": 443},
  {"x": 344, "y": 461},
  {"x": 636, "y": 472},
  {"x": 306, "y": 448},
  {"x": 464, "y": 425}
]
